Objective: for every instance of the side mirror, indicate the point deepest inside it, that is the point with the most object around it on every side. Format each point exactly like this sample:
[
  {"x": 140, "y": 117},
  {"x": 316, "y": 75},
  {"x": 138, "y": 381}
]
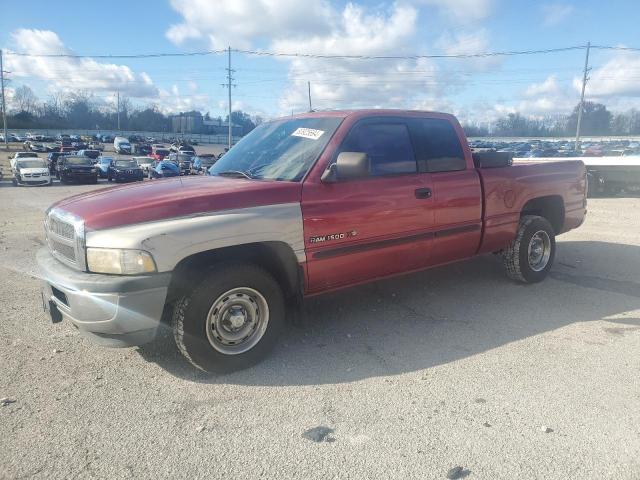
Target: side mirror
[{"x": 348, "y": 165}]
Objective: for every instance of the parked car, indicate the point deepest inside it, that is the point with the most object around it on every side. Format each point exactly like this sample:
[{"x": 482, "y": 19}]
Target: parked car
[
  {"x": 102, "y": 164},
  {"x": 183, "y": 160},
  {"x": 121, "y": 145},
  {"x": 144, "y": 162},
  {"x": 126, "y": 170},
  {"x": 13, "y": 158},
  {"x": 74, "y": 168},
  {"x": 141, "y": 149},
  {"x": 163, "y": 169},
  {"x": 67, "y": 150},
  {"x": 92, "y": 154},
  {"x": 301, "y": 206},
  {"x": 31, "y": 171},
  {"x": 52, "y": 160},
  {"x": 186, "y": 149},
  {"x": 96, "y": 146},
  {"x": 202, "y": 163},
  {"x": 160, "y": 152},
  {"x": 37, "y": 147}
]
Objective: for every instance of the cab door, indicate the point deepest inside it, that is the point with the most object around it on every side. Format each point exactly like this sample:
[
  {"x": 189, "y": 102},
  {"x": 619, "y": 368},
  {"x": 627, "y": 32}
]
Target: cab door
[
  {"x": 365, "y": 228},
  {"x": 457, "y": 193}
]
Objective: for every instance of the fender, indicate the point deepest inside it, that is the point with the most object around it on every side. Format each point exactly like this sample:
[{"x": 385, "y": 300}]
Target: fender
[{"x": 174, "y": 239}]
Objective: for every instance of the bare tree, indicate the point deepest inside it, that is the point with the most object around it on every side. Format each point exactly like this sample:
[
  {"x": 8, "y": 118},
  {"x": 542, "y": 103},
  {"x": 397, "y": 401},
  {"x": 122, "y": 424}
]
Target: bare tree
[{"x": 24, "y": 100}]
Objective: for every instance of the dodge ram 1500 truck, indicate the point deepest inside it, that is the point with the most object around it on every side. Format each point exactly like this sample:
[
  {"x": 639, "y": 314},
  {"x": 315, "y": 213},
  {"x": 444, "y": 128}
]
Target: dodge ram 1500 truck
[{"x": 300, "y": 206}]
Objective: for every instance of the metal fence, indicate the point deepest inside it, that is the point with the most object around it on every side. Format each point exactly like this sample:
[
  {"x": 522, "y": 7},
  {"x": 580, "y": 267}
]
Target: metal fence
[{"x": 161, "y": 137}]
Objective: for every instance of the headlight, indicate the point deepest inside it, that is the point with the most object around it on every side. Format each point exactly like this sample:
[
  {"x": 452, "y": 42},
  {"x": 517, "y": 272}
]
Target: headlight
[{"x": 119, "y": 262}]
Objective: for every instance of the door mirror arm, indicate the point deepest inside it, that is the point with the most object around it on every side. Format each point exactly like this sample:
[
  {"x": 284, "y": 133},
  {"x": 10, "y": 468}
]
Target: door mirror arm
[{"x": 330, "y": 175}]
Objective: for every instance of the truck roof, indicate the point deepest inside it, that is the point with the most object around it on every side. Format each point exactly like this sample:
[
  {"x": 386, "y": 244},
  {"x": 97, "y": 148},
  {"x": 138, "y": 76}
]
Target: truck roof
[{"x": 369, "y": 112}]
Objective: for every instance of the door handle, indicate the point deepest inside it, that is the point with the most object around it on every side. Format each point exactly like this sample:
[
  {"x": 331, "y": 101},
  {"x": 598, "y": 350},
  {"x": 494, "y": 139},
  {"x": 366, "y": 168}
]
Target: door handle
[{"x": 423, "y": 193}]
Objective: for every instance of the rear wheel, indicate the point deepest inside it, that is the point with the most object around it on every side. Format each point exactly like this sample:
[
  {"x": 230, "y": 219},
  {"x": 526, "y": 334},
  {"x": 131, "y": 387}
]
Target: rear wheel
[
  {"x": 530, "y": 256},
  {"x": 232, "y": 320}
]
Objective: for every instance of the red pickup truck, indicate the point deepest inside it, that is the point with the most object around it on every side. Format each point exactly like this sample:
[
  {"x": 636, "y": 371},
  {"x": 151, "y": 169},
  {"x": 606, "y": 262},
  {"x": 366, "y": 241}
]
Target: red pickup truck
[{"x": 301, "y": 206}]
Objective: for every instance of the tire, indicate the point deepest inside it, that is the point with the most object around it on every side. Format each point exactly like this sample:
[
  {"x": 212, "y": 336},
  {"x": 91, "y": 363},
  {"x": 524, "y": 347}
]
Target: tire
[
  {"x": 203, "y": 345},
  {"x": 519, "y": 261}
]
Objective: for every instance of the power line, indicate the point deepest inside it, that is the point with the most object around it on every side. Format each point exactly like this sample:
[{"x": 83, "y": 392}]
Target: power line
[
  {"x": 135, "y": 55},
  {"x": 409, "y": 57},
  {"x": 264, "y": 53},
  {"x": 606, "y": 47}
]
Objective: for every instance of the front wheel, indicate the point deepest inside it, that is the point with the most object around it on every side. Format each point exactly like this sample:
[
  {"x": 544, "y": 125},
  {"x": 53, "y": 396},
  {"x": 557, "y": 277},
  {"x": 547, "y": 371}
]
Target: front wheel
[
  {"x": 530, "y": 256},
  {"x": 231, "y": 320}
]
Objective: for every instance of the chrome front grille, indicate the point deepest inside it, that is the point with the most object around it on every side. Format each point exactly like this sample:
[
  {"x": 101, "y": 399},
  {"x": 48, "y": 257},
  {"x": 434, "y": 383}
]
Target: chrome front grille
[
  {"x": 65, "y": 237},
  {"x": 65, "y": 250},
  {"x": 60, "y": 228}
]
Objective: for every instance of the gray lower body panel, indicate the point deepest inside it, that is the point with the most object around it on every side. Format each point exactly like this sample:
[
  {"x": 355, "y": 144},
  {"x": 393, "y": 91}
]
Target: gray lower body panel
[{"x": 112, "y": 310}]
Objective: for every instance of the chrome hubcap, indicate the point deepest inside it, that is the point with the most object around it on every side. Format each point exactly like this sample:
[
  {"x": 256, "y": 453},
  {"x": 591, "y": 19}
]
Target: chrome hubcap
[
  {"x": 237, "y": 320},
  {"x": 539, "y": 250}
]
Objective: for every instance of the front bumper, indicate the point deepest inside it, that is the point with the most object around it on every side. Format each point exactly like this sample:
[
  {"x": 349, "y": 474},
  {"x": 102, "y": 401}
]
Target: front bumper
[
  {"x": 34, "y": 182},
  {"x": 113, "y": 310}
]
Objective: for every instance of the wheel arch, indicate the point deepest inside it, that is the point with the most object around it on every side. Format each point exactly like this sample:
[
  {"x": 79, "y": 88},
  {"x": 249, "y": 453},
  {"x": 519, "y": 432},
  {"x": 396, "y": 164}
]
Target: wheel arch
[
  {"x": 550, "y": 207},
  {"x": 276, "y": 257}
]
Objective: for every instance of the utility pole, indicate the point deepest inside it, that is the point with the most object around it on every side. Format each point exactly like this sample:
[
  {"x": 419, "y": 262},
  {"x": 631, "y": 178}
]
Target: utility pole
[
  {"x": 584, "y": 85},
  {"x": 118, "y": 103},
  {"x": 4, "y": 104},
  {"x": 309, "y": 89},
  {"x": 229, "y": 84}
]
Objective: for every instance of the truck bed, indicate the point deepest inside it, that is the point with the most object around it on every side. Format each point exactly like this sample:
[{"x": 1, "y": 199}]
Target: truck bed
[{"x": 508, "y": 191}]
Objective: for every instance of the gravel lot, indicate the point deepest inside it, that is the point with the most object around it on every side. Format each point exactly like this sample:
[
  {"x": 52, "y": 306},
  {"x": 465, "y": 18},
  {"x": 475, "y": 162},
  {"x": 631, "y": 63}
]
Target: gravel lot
[{"x": 412, "y": 377}]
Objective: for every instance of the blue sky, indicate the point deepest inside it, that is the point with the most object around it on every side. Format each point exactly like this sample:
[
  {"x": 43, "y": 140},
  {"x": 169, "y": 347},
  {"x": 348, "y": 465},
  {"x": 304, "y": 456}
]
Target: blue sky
[{"x": 476, "y": 89}]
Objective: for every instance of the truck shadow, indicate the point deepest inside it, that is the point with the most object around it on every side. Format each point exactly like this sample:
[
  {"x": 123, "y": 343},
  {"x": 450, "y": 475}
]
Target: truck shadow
[{"x": 415, "y": 322}]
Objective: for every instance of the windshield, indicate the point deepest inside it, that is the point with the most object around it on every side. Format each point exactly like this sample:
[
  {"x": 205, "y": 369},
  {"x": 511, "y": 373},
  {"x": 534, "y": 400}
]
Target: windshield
[
  {"x": 31, "y": 164},
  {"x": 126, "y": 163},
  {"x": 26, "y": 155},
  {"x": 279, "y": 150},
  {"x": 160, "y": 151},
  {"x": 78, "y": 161}
]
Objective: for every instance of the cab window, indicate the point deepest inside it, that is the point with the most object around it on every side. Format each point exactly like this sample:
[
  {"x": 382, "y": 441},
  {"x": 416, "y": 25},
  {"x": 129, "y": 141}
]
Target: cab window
[{"x": 387, "y": 144}]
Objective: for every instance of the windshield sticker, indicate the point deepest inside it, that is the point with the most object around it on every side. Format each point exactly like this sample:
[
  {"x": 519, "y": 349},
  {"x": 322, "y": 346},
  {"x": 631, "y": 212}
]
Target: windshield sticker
[{"x": 310, "y": 133}]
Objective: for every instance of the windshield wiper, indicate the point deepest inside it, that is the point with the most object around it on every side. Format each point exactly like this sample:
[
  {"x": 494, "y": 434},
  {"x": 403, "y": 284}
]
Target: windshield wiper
[{"x": 235, "y": 173}]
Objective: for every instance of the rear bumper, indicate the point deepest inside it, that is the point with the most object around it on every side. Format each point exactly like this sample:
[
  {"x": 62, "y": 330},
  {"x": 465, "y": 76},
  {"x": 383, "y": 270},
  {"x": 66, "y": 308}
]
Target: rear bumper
[{"x": 112, "y": 310}]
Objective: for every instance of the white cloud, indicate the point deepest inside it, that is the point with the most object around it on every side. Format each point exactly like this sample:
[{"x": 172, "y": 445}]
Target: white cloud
[
  {"x": 241, "y": 22},
  {"x": 555, "y": 13},
  {"x": 548, "y": 87},
  {"x": 173, "y": 100},
  {"x": 319, "y": 27},
  {"x": 73, "y": 74},
  {"x": 349, "y": 83},
  {"x": 619, "y": 76},
  {"x": 466, "y": 42}
]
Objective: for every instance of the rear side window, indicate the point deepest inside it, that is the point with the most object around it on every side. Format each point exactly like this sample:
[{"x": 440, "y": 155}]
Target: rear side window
[
  {"x": 388, "y": 146},
  {"x": 438, "y": 147}
]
